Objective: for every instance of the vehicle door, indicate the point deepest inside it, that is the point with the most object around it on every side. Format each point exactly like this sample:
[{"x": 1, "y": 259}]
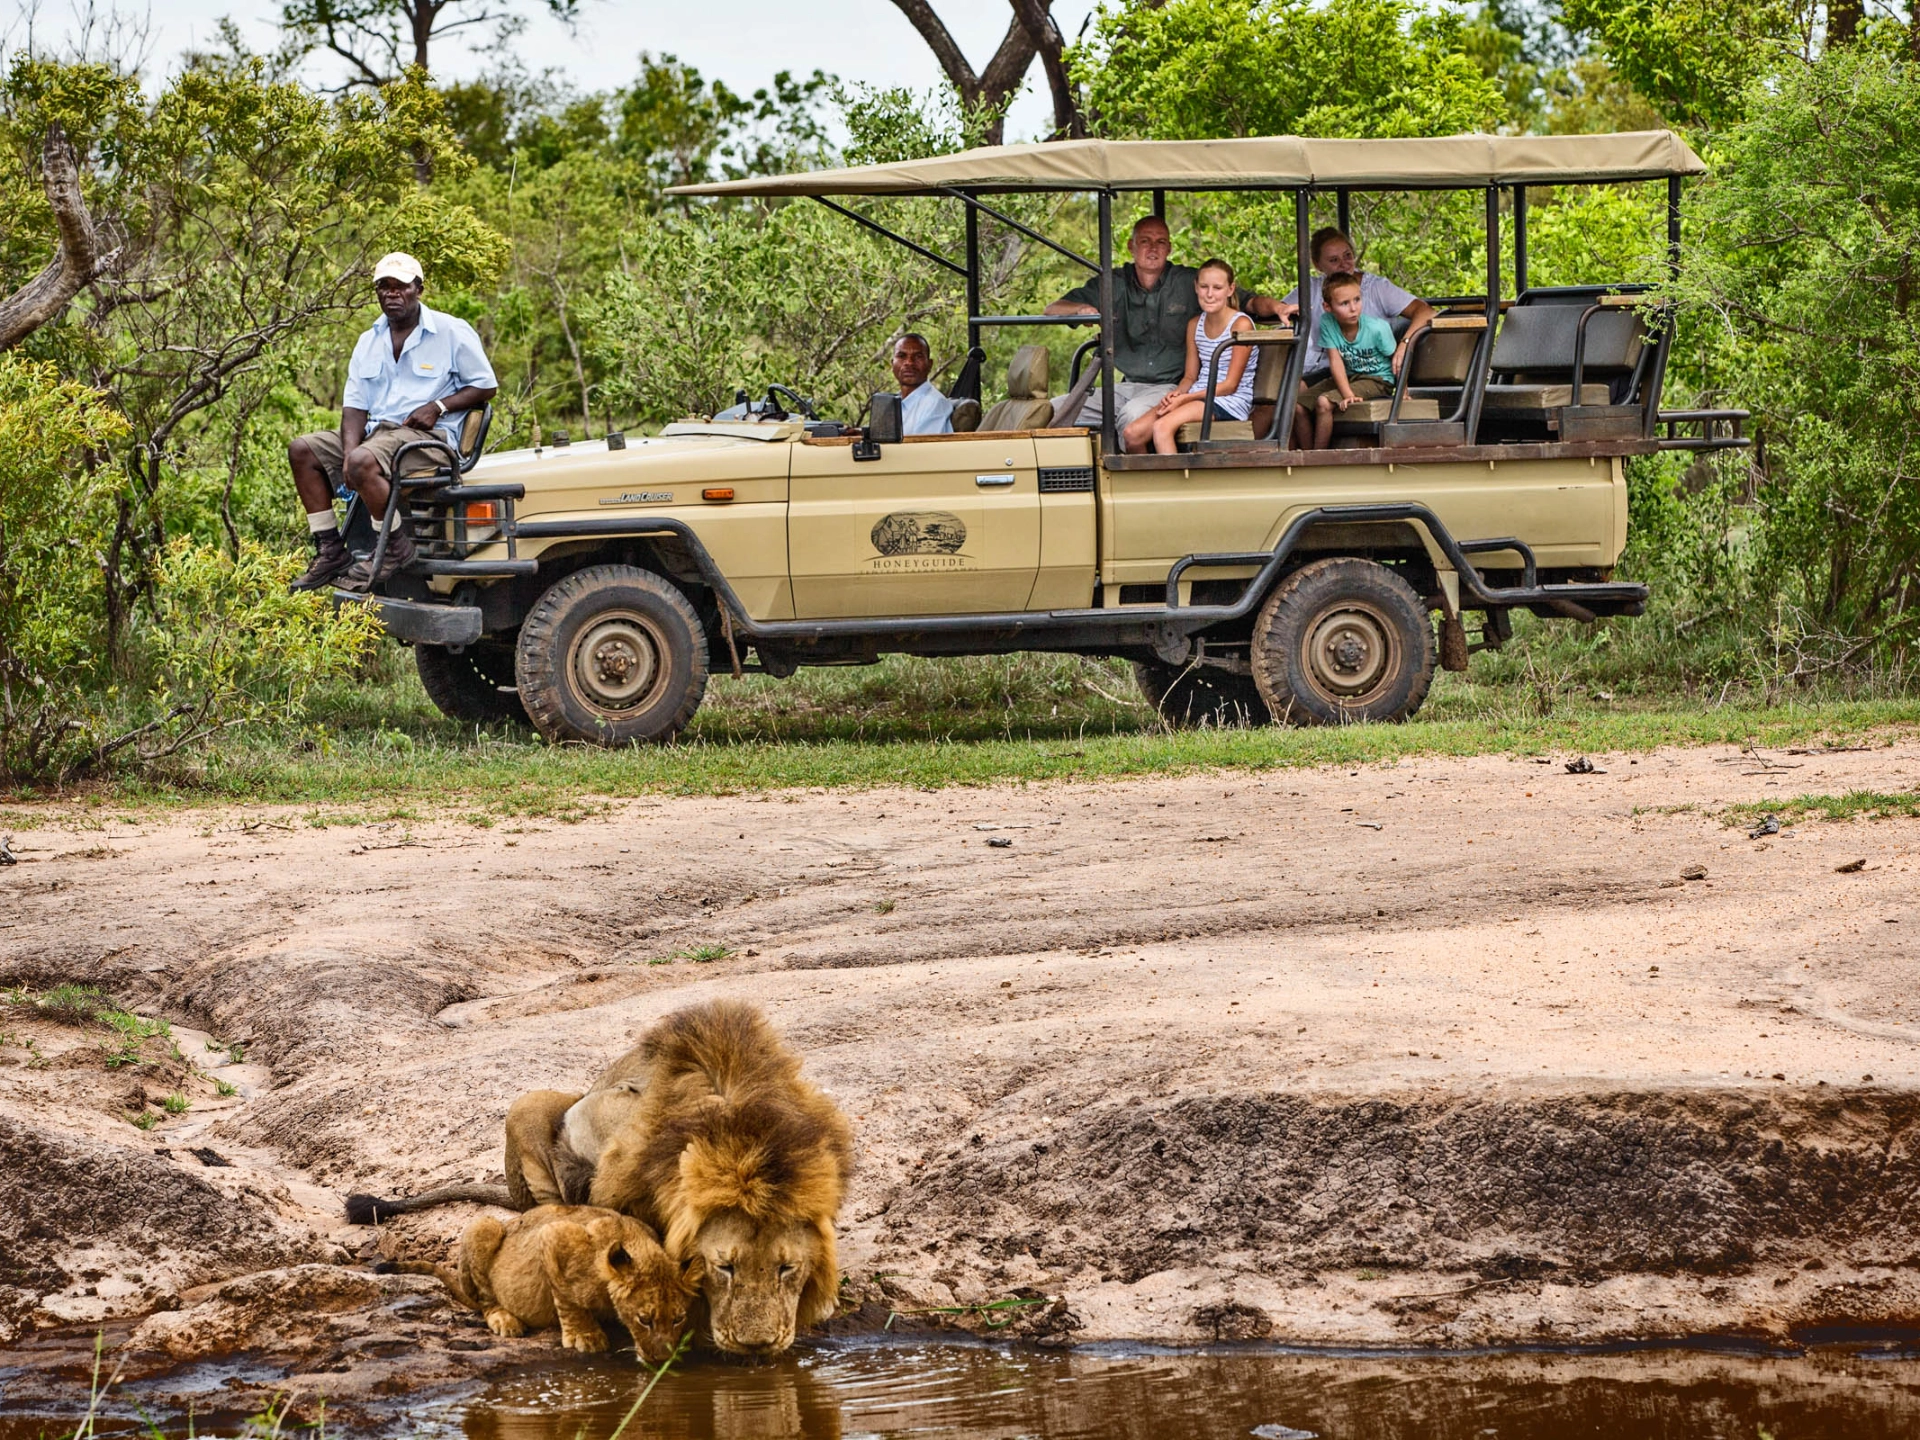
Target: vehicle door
[{"x": 937, "y": 525}]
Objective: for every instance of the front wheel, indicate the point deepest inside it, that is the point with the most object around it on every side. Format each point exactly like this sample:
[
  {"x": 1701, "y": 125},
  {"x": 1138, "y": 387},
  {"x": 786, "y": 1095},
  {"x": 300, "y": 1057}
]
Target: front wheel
[
  {"x": 612, "y": 655},
  {"x": 1189, "y": 695},
  {"x": 1341, "y": 641}
]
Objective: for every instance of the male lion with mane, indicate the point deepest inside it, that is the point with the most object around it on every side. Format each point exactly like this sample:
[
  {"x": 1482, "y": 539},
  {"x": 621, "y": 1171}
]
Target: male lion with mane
[{"x": 706, "y": 1131}]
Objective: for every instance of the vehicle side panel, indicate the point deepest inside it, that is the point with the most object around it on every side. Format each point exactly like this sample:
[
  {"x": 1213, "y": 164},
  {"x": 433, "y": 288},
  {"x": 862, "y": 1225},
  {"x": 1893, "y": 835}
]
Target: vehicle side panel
[
  {"x": 747, "y": 535},
  {"x": 1069, "y": 550},
  {"x": 1572, "y": 511}
]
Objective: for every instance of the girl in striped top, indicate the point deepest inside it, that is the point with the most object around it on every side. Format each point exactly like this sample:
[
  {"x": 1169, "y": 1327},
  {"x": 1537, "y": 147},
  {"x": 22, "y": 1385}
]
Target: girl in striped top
[{"x": 1233, "y": 394}]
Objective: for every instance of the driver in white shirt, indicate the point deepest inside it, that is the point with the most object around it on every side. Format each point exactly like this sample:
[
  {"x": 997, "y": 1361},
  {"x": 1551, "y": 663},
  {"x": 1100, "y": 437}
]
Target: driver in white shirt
[{"x": 923, "y": 409}]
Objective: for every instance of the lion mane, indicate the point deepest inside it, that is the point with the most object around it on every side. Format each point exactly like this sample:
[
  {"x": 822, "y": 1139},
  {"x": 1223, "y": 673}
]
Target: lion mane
[{"x": 725, "y": 1123}]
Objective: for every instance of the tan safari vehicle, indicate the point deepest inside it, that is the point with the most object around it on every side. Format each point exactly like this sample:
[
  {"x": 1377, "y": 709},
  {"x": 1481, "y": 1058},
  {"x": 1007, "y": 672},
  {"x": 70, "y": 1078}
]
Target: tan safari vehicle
[{"x": 596, "y": 585}]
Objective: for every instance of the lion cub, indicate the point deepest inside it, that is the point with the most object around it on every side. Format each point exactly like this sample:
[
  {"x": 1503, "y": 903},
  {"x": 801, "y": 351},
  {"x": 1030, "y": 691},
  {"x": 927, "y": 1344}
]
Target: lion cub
[{"x": 569, "y": 1265}]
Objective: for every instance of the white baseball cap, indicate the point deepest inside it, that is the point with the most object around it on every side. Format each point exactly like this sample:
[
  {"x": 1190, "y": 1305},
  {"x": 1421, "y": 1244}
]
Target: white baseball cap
[{"x": 398, "y": 266}]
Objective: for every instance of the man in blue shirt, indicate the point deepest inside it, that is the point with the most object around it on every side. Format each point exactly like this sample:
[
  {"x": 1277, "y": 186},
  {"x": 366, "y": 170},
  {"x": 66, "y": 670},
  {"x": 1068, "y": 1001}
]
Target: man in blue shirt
[
  {"x": 923, "y": 409},
  {"x": 412, "y": 377}
]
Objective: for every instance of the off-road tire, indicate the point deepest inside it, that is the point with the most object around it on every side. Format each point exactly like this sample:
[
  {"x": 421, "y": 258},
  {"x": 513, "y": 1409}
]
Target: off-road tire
[
  {"x": 611, "y": 655},
  {"x": 1341, "y": 641},
  {"x": 1189, "y": 697},
  {"x": 475, "y": 686}
]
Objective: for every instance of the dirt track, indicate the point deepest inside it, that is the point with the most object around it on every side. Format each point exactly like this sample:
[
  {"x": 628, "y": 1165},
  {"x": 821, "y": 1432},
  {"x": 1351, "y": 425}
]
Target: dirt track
[{"x": 1441, "y": 1052}]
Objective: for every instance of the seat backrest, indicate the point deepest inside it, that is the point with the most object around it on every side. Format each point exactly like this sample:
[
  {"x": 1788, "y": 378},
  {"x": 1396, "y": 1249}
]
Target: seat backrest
[
  {"x": 1272, "y": 360},
  {"x": 1444, "y": 358},
  {"x": 473, "y": 436},
  {"x": 1537, "y": 341},
  {"x": 1026, "y": 406},
  {"x": 966, "y": 416}
]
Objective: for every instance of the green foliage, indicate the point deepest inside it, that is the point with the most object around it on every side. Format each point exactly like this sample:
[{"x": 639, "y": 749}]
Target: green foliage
[
  {"x": 1804, "y": 268},
  {"x": 54, "y": 514},
  {"x": 1196, "y": 69},
  {"x": 1695, "y": 60}
]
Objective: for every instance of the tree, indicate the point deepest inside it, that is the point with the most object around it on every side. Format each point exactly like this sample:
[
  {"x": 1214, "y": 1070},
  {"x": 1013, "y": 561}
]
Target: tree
[
  {"x": 1804, "y": 259},
  {"x": 381, "y": 39},
  {"x": 1200, "y": 69},
  {"x": 989, "y": 90}
]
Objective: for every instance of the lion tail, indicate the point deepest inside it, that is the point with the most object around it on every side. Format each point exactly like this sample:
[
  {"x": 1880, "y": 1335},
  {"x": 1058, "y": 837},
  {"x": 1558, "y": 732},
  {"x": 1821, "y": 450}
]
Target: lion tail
[{"x": 371, "y": 1209}]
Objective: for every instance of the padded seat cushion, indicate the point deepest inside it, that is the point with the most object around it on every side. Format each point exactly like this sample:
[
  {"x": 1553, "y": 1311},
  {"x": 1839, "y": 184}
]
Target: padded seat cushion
[
  {"x": 1019, "y": 415},
  {"x": 1026, "y": 406},
  {"x": 1537, "y": 399}
]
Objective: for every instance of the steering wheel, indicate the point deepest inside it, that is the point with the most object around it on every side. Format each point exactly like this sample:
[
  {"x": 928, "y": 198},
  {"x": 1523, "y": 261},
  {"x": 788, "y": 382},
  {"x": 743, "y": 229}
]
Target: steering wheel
[{"x": 774, "y": 410}]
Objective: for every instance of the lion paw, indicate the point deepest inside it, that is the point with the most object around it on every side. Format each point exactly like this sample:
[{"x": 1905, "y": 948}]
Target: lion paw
[
  {"x": 501, "y": 1323},
  {"x": 587, "y": 1342}
]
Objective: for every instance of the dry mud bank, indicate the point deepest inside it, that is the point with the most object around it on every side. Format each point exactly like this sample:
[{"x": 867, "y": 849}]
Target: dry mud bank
[{"x": 1436, "y": 1053}]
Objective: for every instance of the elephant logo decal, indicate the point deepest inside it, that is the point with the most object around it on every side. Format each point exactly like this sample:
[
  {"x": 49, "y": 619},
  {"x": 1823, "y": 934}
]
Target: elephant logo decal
[{"x": 928, "y": 532}]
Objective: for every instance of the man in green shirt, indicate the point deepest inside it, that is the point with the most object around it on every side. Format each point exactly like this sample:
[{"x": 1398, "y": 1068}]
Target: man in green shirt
[{"x": 1154, "y": 302}]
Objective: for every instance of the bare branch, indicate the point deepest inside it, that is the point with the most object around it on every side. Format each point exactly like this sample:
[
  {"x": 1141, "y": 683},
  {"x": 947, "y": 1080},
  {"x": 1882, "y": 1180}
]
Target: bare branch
[
  {"x": 76, "y": 262},
  {"x": 1036, "y": 18}
]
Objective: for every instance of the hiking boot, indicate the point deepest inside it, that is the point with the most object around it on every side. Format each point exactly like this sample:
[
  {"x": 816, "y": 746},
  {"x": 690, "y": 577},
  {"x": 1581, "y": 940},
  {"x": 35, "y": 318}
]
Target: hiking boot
[
  {"x": 330, "y": 557},
  {"x": 360, "y": 579}
]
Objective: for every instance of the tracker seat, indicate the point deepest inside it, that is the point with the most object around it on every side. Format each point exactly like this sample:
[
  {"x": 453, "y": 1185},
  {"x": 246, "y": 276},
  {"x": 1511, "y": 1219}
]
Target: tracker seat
[{"x": 360, "y": 533}]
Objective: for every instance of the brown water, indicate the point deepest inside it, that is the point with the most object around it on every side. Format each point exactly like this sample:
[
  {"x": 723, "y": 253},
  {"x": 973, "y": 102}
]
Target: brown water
[{"x": 847, "y": 1391}]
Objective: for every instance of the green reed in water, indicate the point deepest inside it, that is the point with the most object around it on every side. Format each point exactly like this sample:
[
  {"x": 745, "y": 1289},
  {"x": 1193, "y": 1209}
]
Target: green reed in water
[{"x": 658, "y": 1375}]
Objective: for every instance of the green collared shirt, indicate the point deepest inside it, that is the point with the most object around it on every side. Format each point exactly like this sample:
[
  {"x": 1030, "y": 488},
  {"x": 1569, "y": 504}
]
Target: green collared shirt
[{"x": 1151, "y": 343}]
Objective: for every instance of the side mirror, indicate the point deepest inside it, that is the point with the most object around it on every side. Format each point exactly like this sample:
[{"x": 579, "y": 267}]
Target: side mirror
[{"x": 884, "y": 425}]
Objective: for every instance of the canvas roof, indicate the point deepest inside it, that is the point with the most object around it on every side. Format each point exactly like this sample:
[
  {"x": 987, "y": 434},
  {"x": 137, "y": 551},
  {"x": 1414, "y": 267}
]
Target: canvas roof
[{"x": 1266, "y": 162}]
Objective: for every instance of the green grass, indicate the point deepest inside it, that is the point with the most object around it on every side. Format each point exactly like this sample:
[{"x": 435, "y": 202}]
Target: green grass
[
  {"x": 225, "y": 1088},
  {"x": 1853, "y": 805},
  {"x": 176, "y": 1104},
  {"x": 379, "y": 751},
  {"x": 84, "y": 1005}
]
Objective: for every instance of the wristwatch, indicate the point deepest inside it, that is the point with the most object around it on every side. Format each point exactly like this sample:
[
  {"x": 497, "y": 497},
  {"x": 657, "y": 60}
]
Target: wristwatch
[{"x": 441, "y": 405}]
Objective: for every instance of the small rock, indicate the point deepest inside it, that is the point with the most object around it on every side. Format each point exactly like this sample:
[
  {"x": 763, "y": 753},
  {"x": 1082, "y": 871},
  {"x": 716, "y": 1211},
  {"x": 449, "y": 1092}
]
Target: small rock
[
  {"x": 999, "y": 842},
  {"x": 1768, "y": 826},
  {"x": 1694, "y": 872},
  {"x": 1852, "y": 867},
  {"x": 1583, "y": 766},
  {"x": 7, "y": 857}
]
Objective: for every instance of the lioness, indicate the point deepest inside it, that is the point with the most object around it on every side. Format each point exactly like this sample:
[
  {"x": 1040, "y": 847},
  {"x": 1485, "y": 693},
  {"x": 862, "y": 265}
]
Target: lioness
[{"x": 568, "y": 1265}]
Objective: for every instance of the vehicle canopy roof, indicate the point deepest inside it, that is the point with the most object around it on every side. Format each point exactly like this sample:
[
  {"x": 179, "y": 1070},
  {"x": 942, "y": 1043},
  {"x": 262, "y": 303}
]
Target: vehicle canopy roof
[{"x": 1272, "y": 162}]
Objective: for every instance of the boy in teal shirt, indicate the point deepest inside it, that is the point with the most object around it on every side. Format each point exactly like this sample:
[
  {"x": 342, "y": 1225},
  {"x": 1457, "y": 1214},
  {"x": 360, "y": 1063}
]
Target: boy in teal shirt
[{"x": 1362, "y": 355}]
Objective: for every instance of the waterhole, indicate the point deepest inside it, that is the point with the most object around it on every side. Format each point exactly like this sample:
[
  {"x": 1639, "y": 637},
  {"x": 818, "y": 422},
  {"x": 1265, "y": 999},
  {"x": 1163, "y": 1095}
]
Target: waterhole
[{"x": 935, "y": 1391}]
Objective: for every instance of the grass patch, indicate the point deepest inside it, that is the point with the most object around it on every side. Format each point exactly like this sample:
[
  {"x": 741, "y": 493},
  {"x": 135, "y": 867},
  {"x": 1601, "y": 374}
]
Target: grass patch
[
  {"x": 1853, "y": 805},
  {"x": 84, "y": 1005},
  {"x": 379, "y": 752},
  {"x": 225, "y": 1089},
  {"x": 176, "y": 1104},
  {"x": 145, "y": 1120}
]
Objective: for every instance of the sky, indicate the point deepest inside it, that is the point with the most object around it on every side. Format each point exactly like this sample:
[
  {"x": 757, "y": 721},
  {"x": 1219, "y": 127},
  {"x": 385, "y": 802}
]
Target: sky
[{"x": 742, "y": 42}]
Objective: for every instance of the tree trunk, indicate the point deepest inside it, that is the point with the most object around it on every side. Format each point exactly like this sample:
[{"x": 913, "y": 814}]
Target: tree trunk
[
  {"x": 990, "y": 89},
  {"x": 1843, "y": 22},
  {"x": 75, "y": 264},
  {"x": 1036, "y": 17}
]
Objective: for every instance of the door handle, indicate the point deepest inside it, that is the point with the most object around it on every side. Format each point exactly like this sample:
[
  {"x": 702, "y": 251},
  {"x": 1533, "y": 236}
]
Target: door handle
[{"x": 986, "y": 482}]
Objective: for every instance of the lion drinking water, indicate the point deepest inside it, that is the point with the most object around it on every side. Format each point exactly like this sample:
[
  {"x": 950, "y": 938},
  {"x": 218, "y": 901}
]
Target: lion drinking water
[
  {"x": 705, "y": 1131},
  {"x": 571, "y": 1266}
]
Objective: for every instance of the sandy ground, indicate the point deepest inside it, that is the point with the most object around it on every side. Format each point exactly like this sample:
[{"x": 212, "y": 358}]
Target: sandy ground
[{"x": 1436, "y": 1052}]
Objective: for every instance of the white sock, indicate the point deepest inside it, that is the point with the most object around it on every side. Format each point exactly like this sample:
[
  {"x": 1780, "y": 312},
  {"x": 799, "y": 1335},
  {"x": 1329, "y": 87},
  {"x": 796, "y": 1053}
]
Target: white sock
[{"x": 320, "y": 522}]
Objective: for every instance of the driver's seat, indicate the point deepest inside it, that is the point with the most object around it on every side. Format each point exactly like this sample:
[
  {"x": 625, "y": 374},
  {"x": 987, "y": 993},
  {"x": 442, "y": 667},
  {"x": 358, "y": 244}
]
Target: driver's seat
[{"x": 1028, "y": 405}]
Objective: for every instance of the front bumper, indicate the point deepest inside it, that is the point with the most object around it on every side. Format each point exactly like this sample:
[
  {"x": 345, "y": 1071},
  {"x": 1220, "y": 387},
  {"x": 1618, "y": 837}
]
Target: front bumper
[{"x": 418, "y": 623}]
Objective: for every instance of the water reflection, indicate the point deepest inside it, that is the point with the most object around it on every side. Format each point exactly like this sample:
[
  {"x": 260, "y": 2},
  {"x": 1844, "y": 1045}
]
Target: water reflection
[{"x": 852, "y": 1392}]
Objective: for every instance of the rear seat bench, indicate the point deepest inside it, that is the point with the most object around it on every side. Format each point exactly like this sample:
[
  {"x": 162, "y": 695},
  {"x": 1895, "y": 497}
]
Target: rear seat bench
[{"x": 1569, "y": 364}]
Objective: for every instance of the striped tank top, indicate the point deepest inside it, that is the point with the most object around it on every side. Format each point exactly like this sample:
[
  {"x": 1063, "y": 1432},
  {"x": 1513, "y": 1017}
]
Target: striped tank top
[{"x": 1238, "y": 402}]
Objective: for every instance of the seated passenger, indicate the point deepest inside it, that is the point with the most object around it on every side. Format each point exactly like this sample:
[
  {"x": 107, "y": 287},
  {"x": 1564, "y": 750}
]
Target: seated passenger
[
  {"x": 1332, "y": 254},
  {"x": 923, "y": 409},
  {"x": 1361, "y": 355},
  {"x": 1233, "y": 393}
]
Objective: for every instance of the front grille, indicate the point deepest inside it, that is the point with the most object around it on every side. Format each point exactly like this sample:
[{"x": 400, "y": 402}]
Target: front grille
[{"x": 1061, "y": 481}]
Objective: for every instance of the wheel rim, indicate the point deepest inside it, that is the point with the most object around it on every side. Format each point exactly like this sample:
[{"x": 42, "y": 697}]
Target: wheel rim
[
  {"x": 618, "y": 663},
  {"x": 1350, "y": 653}
]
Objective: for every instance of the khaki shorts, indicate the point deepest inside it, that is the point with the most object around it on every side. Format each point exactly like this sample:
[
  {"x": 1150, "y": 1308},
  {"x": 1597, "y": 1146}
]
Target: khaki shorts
[
  {"x": 384, "y": 443},
  {"x": 1364, "y": 387}
]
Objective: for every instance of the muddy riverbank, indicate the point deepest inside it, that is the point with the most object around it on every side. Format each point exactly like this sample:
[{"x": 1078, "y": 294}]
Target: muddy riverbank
[{"x": 1443, "y": 1053}]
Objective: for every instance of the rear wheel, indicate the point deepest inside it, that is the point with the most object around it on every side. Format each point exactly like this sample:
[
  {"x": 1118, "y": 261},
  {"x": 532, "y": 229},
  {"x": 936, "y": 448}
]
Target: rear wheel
[
  {"x": 1188, "y": 695},
  {"x": 612, "y": 655},
  {"x": 1341, "y": 641},
  {"x": 475, "y": 685}
]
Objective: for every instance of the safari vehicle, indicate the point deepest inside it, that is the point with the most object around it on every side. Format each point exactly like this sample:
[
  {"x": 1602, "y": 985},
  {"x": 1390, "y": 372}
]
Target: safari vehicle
[{"x": 595, "y": 584}]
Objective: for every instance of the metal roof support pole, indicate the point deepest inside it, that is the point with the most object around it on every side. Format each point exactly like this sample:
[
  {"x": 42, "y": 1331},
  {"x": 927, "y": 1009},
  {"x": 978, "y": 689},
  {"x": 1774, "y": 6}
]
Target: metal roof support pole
[
  {"x": 1296, "y": 352},
  {"x": 1519, "y": 241},
  {"x": 1477, "y": 387},
  {"x": 1673, "y": 226},
  {"x": 1109, "y": 422},
  {"x": 1159, "y": 204},
  {"x": 1345, "y": 218},
  {"x": 973, "y": 276}
]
